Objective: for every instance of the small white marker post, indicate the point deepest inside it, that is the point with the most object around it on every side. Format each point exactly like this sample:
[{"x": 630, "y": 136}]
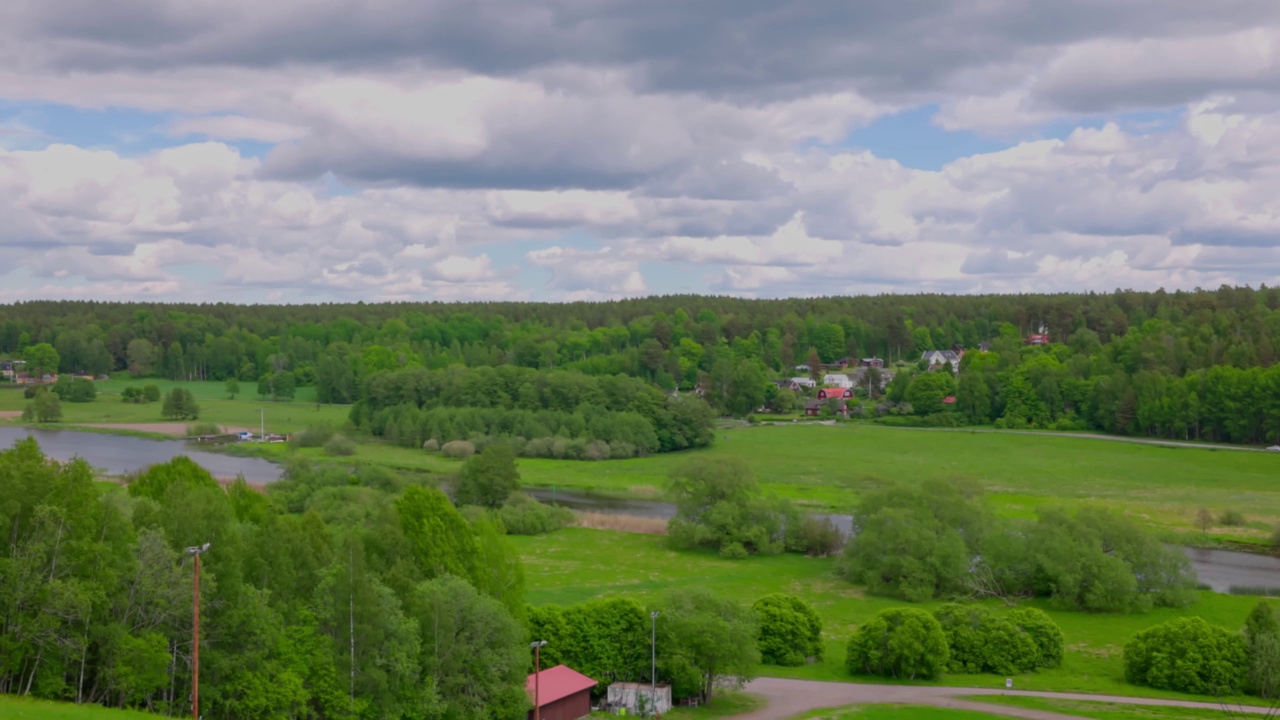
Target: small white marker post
[{"x": 1008, "y": 683}]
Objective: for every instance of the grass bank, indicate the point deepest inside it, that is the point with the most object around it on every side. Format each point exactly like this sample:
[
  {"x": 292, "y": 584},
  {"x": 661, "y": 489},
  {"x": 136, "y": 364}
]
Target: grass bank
[
  {"x": 17, "y": 708},
  {"x": 577, "y": 564},
  {"x": 1105, "y": 711}
]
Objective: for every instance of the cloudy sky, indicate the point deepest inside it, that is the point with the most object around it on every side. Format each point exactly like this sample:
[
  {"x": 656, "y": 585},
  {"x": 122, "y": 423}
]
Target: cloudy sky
[{"x": 291, "y": 151}]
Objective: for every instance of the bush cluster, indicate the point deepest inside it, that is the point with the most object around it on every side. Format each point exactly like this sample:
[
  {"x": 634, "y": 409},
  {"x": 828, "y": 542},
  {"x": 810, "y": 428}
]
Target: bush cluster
[
  {"x": 1187, "y": 655},
  {"x": 313, "y": 436},
  {"x": 340, "y": 445},
  {"x": 939, "y": 540},
  {"x": 74, "y": 389},
  {"x": 790, "y": 630},
  {"x": 522, "y": 515}
]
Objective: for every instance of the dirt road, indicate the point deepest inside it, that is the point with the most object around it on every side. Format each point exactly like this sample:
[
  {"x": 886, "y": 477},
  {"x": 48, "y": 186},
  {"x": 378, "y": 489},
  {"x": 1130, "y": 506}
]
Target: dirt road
[{"x": 786, "y": 698}]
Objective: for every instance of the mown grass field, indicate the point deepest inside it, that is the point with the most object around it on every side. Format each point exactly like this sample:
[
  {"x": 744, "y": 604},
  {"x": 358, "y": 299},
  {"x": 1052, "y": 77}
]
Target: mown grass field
[
  {"x": 829, "y": 466},
  {"x": 898, "y": 712},
  {"x": 577, "y": 564},
  {"x": 215, "y": 407},
  {"x": 17, "y": 708}
]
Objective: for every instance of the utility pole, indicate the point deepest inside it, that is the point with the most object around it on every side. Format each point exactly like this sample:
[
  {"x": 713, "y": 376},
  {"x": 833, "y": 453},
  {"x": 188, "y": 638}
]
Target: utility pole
[
  {"x": 537, "y": 676},
  {"x": 653, "y": 661},
  {"x": 262, "y": 430},
  {"x": 196, "y": 552}
]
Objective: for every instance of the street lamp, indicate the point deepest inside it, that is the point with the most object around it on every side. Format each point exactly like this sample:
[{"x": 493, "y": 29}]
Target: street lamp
[
  {"x": 196, "y": 552},
  {"x": 653, "y": 661},
  {"x": 262, "y": 420},
  {"x": 537, "y": 675}
]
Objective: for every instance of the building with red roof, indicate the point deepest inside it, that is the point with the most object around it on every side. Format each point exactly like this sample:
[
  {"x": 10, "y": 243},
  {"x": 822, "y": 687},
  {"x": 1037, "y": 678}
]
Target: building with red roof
[{"x": 562, "y": 693}]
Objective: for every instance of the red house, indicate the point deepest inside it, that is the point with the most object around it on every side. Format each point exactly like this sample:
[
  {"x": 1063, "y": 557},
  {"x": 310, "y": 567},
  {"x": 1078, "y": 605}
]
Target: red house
[
  {"x": 1038, "y": 339},
  {"x": 563, "y": 693},
  {"x": 834, "y": 393}
]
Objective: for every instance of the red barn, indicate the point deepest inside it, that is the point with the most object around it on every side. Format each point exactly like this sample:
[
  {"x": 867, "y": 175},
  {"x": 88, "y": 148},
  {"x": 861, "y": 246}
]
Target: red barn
[
  {"x": 563, "y": 693},
  {"x": 834, "y": 393}
]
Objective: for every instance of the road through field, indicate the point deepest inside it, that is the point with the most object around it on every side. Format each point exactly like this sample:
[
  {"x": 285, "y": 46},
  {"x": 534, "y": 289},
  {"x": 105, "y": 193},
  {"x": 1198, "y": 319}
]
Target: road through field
[{"x": 787, "y": 698}]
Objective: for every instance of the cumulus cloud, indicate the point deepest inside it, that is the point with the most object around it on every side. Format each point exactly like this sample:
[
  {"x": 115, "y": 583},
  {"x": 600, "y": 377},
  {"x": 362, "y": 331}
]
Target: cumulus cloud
[{"x": 409, "y": 145}]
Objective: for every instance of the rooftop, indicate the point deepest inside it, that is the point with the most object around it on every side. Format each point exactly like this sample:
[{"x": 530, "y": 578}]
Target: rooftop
[{"x": 557, "y": 683}]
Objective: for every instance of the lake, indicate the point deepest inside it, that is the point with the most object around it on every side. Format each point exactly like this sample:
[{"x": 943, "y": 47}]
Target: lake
[{"x": 120, "y": 454}]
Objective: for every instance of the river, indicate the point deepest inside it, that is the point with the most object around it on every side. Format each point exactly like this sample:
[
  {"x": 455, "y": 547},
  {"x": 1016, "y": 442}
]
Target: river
[
  {"x": 1217, "y": 569},
  {"x": 120, "y": 454}
]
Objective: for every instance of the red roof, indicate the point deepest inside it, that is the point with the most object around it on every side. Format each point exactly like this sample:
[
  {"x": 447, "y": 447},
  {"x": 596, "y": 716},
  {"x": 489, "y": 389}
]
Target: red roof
[
  {"x": 558, "y": 683},
  {"x": 949, "y": 400}
]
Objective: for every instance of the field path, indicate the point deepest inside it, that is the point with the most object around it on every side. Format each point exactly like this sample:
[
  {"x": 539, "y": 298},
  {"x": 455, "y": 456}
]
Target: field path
[
  {"x": 786, "y": 698},
  {"x": 10, "y": 414}
]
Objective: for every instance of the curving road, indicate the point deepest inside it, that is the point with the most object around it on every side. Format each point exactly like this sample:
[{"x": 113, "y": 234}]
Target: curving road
[{"x": 787, "y": 698}]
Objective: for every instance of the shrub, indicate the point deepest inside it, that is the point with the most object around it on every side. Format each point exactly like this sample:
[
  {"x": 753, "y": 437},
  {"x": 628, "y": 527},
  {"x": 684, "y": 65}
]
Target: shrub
[
  {"x": 77, "y": 390},
  {"x": 790, "y": 630},
  {"x": 1047, "y": 636},
  {"x": 432, "y": 445},
  {"x": 151, "y": 393},
  {"x": 980, "y": 642},
  {"x": 489, "y": 478},
  {"x": 733, "y": 551},
  {"x": 458, "y": 449},
  {"x": 29, "y": 392},
  {"x": 820, "y": 536},
  {"x": 1231, "y": 518},
  {"x": 340, "y": 445},
  {"x": 596, "y": 450},
  {"x": 133, "y": 394},
  {"x": 44, "y": 407},
  {"x": 180, "y": 404},
  {"x": 522, "y": 515},
  {"x": 901, "y": 643},
  {"x": 203, "y": 428},
  {"x": 314, "y": 436},
  {"x": 1187, "y": 655}
]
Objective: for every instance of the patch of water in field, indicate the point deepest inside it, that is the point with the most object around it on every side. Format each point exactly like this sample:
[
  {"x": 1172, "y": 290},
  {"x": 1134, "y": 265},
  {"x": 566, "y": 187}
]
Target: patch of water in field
[
  {"x": 1218, "y": 569},
  {"x": 120, "y": 454}
]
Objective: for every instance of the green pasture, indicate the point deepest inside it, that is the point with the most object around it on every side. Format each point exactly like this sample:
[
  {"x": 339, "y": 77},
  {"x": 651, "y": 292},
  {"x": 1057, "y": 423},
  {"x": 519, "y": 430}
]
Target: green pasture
[
  {"x": 1105, "y": 711},
  {"x": 829, "y": 466},
  {"x": 215, "y": 407},
  {"x": 18, "y": 708},
  {"x": 577, "y": 564}
]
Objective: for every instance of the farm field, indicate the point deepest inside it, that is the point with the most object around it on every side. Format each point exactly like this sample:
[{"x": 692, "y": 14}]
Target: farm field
[
  {"x": 282, "y": 417},
  {"x": 899, "y": 712},
  {"x": 576, "y": 564},
  {"x": 17, "y": 708}
]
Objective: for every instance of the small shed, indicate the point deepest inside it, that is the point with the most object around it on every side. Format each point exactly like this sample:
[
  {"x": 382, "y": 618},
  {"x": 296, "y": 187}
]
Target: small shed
[
  {"x": 562, "y": 693},
  {"x": 631, "y": 696}
]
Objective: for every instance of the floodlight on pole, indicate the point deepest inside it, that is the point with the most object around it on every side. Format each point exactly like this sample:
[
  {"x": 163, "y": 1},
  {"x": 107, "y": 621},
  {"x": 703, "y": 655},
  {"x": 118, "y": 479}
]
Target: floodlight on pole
[
  {"x": 653, "y": 660},
  {"x": 196, "y": 552},
  {"x": 262, "y": 421},
  {"x": 537, "y": 676}
]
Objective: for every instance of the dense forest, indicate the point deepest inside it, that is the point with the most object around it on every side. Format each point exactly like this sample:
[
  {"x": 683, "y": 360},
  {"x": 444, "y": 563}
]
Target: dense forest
[
  {"x": 1196, "y": 364},
  {"x": 330, "y": 595}
]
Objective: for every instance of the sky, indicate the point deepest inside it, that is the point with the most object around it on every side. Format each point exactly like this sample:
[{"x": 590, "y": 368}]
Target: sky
[{"x": 555, "y": 150}]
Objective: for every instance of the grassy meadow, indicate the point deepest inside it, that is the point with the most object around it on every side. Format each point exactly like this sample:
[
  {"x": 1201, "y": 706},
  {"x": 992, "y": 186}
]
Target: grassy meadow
[
  {"x": 1104, "y": 711},
  {"x": 215, "y": 406},
  {"x": 19, "y": 708},
  {"x": 576, "y": 564},
  {"x": 899, "y": 712}
]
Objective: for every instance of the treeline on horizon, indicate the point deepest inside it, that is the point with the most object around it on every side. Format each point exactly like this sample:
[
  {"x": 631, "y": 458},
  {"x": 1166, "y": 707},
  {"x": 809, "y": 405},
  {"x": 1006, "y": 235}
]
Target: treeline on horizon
[{"x": 1194, "y": 364}]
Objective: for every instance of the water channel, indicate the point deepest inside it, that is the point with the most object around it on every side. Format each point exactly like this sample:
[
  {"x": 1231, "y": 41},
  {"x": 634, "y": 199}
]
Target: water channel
[{"x": 119, "y": 454}]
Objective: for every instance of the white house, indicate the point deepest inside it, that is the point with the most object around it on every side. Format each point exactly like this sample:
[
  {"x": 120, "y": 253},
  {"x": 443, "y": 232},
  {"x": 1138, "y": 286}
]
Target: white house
[
  {"x": 804, "y": 382},
  {"x": 942, "y": 357},
  {"x": 837, "y": 380}
]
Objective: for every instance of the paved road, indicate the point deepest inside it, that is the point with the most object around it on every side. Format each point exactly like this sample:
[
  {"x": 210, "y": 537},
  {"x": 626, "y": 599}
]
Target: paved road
[{"x": 786, "y": 698}]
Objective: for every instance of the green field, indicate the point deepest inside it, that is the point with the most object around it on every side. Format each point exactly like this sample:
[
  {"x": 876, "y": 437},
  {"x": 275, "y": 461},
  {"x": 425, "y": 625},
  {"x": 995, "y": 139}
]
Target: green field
[
  {"x": 17, "y": 708},
  {"x": 1105, "y": 711},
  {"x": 576, "y": 564},
  {"x": 898, "y": 712},
  {"x": 828, "y": 466},
  {"x": 281, "y": 417}
]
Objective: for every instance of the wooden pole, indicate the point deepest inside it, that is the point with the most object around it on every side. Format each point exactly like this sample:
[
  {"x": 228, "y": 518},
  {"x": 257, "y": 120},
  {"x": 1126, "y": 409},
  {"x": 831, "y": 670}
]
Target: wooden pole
[
  {"x": 537, "y": 680},
  {"x": 195, "y": 649}
]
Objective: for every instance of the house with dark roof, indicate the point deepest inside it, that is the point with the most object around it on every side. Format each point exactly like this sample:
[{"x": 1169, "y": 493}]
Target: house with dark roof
[
  {"x": 814, "y": 408},
  {"x": 871, "y": 362},
  {"x": 941, "y": 358},
  {"x": 561, "y": 693}
]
